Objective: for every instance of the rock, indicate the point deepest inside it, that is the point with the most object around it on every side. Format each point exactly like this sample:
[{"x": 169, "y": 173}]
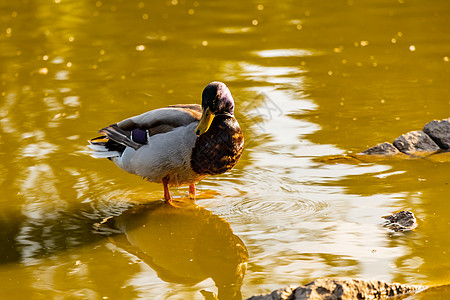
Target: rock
[
  {"x": 439, "y": 131},
  {"x": 415, "y": 142},
  {"x": 401, "y": 221},
  {"x": 434, "y": 137},
  {"x": 336, "y": 289},
  {"x": 386, "y": 149},
  {"x": 280, "y": 294}
]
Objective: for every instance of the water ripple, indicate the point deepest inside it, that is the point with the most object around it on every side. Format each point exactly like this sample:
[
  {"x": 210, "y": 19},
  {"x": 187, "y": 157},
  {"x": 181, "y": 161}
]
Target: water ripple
[{"x": 274, "y": 208}]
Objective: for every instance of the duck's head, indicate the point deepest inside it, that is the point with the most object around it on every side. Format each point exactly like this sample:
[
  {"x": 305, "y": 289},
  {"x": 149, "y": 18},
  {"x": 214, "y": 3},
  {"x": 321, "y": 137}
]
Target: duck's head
[{"x": 216, "y": 100}]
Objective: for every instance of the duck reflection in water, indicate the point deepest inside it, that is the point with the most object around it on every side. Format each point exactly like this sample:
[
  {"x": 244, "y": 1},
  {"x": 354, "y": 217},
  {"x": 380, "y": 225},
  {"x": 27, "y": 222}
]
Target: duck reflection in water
[{"x": 184, "y": 244}]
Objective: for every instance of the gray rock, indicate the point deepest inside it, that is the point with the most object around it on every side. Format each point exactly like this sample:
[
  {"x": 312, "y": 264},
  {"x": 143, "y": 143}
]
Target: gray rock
[
  {"x": 401, "y": 221},
  {"x": 280, "y": 294},
  {"x": 334, "y": 289},
  {"x": 415, "y": 142},
  {"x": 439, "y": 131},
  {"x": 386, "y": 149}
]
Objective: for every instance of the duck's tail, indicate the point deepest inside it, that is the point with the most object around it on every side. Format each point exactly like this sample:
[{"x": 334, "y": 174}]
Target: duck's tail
[
  {"x": 101, "y": 148},
  {"x": 112, "y": 143}
]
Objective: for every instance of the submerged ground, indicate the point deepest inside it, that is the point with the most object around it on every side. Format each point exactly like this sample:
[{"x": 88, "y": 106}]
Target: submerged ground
[{"x": 310, "y": 79}]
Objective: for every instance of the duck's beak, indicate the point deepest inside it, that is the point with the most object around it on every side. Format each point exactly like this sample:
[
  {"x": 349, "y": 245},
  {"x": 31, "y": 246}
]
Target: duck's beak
[{"x": 205, "y": 122}]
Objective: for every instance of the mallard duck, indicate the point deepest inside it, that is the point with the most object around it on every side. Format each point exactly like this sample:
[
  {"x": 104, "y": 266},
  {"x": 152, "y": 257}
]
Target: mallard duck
[{"x": 176, "y": 145}]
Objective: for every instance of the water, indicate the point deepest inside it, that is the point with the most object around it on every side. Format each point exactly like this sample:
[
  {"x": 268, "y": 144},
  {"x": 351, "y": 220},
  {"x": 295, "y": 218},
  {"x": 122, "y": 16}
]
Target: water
[{"x": 311, "y": 80}]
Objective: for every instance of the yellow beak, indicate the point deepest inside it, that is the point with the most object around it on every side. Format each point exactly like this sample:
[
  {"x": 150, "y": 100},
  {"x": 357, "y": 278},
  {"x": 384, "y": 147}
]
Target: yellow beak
[{"x": 205, "y": 122}]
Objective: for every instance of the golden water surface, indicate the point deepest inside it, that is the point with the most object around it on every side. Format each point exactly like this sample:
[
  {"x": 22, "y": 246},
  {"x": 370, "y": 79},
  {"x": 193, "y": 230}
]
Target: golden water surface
[{"x": 311, "y": 80}]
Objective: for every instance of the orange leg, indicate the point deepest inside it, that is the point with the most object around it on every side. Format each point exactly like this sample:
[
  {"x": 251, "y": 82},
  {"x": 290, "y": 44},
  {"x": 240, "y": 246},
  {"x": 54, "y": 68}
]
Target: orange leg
[
  {"x": 192, "y": 192},
  {"x": 167, "y": 196}
]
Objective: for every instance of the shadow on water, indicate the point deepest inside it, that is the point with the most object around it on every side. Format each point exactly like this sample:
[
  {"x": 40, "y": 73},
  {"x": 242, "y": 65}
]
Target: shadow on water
[{"x": 184, "y": 244}]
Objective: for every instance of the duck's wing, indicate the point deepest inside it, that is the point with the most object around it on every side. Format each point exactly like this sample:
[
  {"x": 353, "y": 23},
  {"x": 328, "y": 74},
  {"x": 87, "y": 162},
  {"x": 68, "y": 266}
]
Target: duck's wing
[
  {"x": 164, "y": 119},
  {"x": 134, "y": 132}
]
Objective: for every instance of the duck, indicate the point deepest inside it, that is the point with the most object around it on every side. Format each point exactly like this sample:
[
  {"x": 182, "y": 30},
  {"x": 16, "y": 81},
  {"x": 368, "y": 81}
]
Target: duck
[{"x": 177, "y": 145}]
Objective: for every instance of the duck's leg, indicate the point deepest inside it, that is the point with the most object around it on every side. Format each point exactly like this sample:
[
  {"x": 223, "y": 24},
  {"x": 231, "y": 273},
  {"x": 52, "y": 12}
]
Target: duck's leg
[
  {"x": 167, "y": 196},
  {"x": 192, "y": 192}
]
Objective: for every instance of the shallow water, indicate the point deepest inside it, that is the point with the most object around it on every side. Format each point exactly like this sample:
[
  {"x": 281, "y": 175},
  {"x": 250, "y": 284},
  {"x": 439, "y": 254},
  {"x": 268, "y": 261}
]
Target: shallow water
[{"x": 311, "y": 80}]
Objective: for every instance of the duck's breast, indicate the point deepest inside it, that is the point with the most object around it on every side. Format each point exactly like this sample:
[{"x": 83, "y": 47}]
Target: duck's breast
[{"x": 219, "y": 149}]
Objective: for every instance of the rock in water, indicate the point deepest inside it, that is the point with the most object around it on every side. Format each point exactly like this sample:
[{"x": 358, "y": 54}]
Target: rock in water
[
  {"x": 382, "y": 149},
  {"x": 280, "y": 294},
  {"x": 439, "y": 131},
  {"x": 401, "y": 221},
  {"x": 334, "y": 289},
  {"x": 434, "y": 137},
  {"x": 416, "y": 142}
]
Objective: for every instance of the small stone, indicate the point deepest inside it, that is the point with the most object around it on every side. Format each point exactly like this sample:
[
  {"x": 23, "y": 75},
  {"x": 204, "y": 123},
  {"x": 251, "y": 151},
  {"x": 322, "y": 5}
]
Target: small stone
[
  {"x": 439, "y": 131},
  {"x": 401, "y": 221},
  {"x": 382, "y": 149},
  {"x": 415, "y": 142}
]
